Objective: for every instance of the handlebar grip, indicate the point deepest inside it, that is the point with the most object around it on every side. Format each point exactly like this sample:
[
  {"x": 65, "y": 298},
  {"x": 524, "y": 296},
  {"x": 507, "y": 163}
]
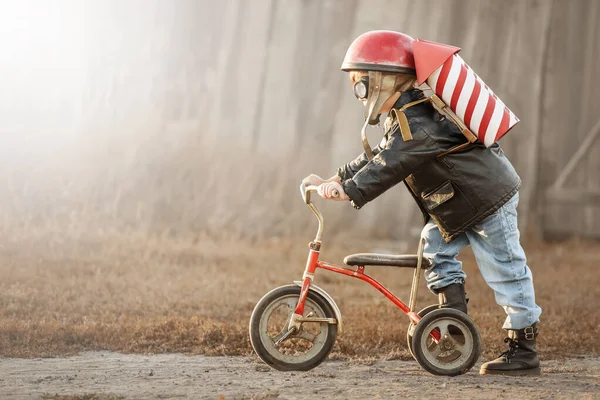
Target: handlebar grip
[{"x": 305, "y": 191}]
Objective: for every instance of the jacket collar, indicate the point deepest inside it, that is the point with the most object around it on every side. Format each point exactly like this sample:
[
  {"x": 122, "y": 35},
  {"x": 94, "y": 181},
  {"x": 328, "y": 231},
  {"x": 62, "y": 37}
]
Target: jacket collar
[{"x": 409, "y": 96}]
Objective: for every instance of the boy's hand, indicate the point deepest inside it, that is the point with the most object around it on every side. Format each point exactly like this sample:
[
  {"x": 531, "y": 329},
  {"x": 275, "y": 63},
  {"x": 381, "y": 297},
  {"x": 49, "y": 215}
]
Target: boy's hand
[
  {"x": 327, "y": 189},
  {"x": 313, "y": 179},
  {"x": 316, "y": 180}
]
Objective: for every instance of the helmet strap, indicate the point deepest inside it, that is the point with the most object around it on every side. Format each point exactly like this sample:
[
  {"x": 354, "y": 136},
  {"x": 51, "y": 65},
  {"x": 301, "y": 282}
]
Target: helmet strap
[
  {"x": 381, "y": 88},
  {"x": 374, "y": 97},
  {"x": 365, "y": 141}
]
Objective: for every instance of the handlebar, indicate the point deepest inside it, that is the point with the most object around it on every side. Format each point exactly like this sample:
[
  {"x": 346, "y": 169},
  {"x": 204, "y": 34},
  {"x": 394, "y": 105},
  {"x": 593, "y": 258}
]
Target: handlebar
[{"x": 306, "y": 190}]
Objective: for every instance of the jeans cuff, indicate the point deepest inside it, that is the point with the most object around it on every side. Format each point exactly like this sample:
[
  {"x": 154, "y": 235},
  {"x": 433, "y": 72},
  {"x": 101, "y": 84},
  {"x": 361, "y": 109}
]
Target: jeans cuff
[{"x": 436, "y": 286}]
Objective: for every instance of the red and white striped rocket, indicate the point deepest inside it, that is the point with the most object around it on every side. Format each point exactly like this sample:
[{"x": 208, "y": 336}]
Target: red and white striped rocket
[{"x": 462, "y": 90}]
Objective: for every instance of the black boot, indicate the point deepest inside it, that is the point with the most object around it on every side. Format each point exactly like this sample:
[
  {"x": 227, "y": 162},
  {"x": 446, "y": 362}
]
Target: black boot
[
  {"x": 453, "y": 296},
  {"x": 520, "y": 358}
]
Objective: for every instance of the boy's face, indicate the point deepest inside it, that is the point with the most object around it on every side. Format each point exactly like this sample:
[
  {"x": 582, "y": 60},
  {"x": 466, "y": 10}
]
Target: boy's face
[{"x": 355, "y": 76}]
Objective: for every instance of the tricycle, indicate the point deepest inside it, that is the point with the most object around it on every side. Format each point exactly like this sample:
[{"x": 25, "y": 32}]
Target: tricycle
[{"x": 294, "y": 327}]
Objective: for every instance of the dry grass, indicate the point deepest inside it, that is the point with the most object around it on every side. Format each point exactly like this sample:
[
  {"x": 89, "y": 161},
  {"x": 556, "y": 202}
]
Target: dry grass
[{"x": 138, "y": 293}]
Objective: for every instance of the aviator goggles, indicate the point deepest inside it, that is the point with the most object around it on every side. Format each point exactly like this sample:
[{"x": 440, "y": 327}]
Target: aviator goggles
[{"x": 361, "y": 88}]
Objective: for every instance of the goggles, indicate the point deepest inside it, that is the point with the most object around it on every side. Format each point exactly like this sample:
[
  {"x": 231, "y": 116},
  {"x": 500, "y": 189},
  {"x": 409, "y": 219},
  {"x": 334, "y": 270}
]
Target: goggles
[{"x": 361, "y": 88}]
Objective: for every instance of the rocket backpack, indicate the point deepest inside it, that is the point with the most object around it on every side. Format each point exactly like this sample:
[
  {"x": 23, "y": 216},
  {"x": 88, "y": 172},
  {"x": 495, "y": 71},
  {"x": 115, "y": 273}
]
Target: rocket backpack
[{"x": 481, "y": 114}]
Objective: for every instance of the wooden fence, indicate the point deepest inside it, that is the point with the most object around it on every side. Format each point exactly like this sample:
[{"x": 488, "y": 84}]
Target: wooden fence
[
  {"x": 263, "y": 76},
  {"x": 280, "y": 67}
]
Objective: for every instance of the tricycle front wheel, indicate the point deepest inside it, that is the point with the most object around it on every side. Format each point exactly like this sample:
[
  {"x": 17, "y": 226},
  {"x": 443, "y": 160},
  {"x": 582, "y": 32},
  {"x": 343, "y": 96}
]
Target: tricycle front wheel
[{"x": 302, "y": 350}]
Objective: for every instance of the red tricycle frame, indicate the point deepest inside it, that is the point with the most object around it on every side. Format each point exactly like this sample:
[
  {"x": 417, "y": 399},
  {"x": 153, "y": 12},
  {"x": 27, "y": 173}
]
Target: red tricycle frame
[{"x": 313, "y": 263}]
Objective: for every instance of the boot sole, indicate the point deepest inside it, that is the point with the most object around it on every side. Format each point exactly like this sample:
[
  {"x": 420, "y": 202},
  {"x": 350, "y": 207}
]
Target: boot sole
[{"x": 521, "y": 372}]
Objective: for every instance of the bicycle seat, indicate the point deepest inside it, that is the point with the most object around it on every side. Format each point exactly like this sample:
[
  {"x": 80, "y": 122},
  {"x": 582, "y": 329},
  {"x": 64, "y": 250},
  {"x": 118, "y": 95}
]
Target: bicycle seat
[{"x": 389, "y": 260}]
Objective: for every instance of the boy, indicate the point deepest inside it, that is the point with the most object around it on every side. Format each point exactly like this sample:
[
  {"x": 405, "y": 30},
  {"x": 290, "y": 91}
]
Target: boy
[{"x": 468, "y": 193}]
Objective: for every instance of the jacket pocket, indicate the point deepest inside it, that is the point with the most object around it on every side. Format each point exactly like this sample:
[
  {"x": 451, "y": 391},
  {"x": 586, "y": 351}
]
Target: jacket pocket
[
  {"x": 449, "y": 206},
  {"x": 439, "y": 196}
]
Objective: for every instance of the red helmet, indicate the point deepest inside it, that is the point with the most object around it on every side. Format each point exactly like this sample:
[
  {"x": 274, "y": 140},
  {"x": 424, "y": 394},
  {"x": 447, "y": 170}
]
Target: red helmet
[{"x": 385, "y": 51}]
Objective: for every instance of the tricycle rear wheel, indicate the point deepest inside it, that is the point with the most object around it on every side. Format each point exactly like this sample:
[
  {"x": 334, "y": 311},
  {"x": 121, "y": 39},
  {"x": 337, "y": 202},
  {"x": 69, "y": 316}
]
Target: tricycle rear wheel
[{"x": 459, "y": 346}]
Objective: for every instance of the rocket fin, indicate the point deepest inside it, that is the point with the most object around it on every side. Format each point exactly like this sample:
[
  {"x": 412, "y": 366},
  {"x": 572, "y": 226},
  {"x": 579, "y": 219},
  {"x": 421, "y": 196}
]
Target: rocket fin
[{"x": 429, "y": 56}]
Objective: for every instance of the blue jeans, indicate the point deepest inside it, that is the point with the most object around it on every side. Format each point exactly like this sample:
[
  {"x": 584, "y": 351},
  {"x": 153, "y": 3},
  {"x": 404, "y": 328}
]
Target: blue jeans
[{"x": 501, "y": 260}]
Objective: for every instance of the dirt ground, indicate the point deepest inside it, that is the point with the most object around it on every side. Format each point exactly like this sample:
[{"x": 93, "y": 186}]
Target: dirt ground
[
  {"x": 106, "y": 375},
  {"x": 105, "y": 299}
]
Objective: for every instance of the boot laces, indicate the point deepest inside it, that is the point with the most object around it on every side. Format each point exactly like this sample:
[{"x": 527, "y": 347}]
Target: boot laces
[{"x": 513, "y": 345}]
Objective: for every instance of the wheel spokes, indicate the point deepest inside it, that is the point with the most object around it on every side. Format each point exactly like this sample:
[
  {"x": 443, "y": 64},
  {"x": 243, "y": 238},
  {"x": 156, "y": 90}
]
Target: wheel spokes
[
  {"x": 280, "y": 335},
  {"x": 288, "y": 306},
  {"x": 461, "y": 347},
  {"x": 434, "y": 350},
  {"x": 453, "y": 343},
  {"x": 291, "y": 304},
  {"x": 443, "y": 327},
  {"x": 300, "y": 348},
  {"x": 304, "y": 334}
]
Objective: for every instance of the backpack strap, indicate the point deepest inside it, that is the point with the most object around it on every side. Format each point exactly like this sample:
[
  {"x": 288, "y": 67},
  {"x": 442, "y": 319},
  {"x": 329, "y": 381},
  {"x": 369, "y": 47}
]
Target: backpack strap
[
  {"x": 403, "y": 121},
  {"x": 443, "y": 108}
]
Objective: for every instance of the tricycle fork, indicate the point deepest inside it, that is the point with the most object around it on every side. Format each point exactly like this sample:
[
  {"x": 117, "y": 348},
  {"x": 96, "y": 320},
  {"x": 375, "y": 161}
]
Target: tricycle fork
[{"x": 309, "y": 274}]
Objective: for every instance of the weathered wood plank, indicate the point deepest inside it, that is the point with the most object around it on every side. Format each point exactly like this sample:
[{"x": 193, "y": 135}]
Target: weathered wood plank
[
  {"x": 241, "y": 84},
  {"x": 591, "y": 113},
  {"x": 564, "y": 125},
  {"x": 581, "y": 197},
  {"x": 274, "y": 129}
]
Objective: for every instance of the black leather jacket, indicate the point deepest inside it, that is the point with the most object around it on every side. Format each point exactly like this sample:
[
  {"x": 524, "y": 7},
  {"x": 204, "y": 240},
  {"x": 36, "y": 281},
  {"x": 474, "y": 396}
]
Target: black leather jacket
[{"x": 456, "y": 190}]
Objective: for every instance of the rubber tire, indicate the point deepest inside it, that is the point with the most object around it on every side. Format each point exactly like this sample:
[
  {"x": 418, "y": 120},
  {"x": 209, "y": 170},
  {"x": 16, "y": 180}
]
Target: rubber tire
[
  {"x": 421, "y": 314},
  {"x": 258, "y": 346},
  {"x": 420, "y": 331}
]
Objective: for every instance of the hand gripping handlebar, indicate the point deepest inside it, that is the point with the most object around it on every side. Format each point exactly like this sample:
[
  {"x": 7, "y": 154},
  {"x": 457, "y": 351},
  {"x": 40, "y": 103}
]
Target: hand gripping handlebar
[{"x": 305, "y": 191}]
